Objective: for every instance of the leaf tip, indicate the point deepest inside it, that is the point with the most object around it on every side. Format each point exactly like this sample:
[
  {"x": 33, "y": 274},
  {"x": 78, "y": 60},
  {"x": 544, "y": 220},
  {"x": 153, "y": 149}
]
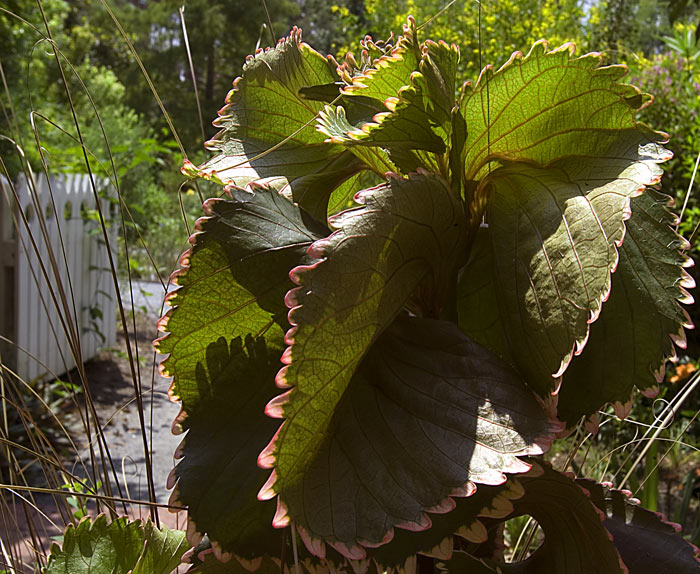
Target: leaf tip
[
  {"x": 171, "y": 481},
  {"x": 275, "y": 408},
  {"x": 192, "y": 533},
  {"x": 219, "y": 553},
  {"x": 281, "y": 518},
  {"x": 421, "y": 523},
  {"x": 464, "y": 491},
  {"x": 267, "y": 492},
  {"x": 622, "y": 410},
  {"x": 266, "y": 459}
]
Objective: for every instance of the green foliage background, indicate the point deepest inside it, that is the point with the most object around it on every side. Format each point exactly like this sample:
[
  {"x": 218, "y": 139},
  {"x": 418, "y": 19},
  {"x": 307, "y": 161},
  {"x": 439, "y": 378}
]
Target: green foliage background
[{"x": 136, "y": 137}]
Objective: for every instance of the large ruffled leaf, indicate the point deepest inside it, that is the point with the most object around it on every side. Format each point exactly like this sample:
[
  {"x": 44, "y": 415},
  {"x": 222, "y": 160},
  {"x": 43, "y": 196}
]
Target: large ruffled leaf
[
  {"x": 268, "y": 128},
  {"x": 546, "y": 106},
  {"x": 428, "y": 414},
  {"x": 641, "y": 320},
  {"x": 646, "y": 542},
  {"x": 555, "y": 233},
  {"x": 118, "y": 547},
  {"x": 403, "y": 239},
  {"x": 225, "y": 340}
]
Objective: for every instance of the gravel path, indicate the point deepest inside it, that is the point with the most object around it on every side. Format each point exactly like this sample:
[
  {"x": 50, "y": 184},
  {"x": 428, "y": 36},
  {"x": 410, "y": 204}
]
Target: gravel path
[{"x": 112, "y": 388}]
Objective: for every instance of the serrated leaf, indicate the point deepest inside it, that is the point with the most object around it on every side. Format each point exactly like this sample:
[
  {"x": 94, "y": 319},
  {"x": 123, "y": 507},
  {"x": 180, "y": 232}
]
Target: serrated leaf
[
  {"x": 371, "y": 90},
  {"x": 420, "y": 116},
  {"x": 162, "y": 550},
  {"x": 268, "y": 127},
  {"x": 575, "y": 540},
  {"x": 428, "y": 414},
  {"x": 405, "y": 235},
  {"x": 205, "y": 559},
  {"x": 231, "y": 292},
  {"x": 545, "y": 106},
  {"x": 117, "y": 547},
  {"x": 389, "y": 72},
  {"x": 438, "y": 540},
  {"x": 641, "y": 320},
  {"x": 555, "y": 233},
  {"x": 207, "y": 563},
  {"x": 646, "y": 542},
  {"x": 233, "y": 281}
]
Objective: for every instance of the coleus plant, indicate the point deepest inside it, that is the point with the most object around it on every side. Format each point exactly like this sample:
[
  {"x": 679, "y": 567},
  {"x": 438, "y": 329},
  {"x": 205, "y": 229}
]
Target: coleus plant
[{"x": 407, "y": 292}]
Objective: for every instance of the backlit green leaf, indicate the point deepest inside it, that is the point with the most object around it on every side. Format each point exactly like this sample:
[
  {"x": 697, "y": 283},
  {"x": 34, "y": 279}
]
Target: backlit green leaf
[
  {"x": 419, "y": 116},
  {"x": 389, "y": 72},
  {"x": 268, "y": 128},
  {"x": 405, "y": 235},
  {"x": 641, "y": 320},
  {"x": 477, "y": 299},
  {"x": 545, "y": 106}
]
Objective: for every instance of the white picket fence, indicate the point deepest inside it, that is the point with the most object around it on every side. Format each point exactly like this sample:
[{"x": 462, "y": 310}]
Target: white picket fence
[{"x": 72, "y": 298}]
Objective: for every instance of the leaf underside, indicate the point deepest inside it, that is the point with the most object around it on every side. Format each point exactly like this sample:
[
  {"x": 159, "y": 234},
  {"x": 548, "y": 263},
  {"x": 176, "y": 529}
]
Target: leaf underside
[
  {"x": 554, "y": 235},
  {"x": 401, "y": 238},
  {"x": 642, "y": 319},
  {"x": 428, "y": 414}
]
